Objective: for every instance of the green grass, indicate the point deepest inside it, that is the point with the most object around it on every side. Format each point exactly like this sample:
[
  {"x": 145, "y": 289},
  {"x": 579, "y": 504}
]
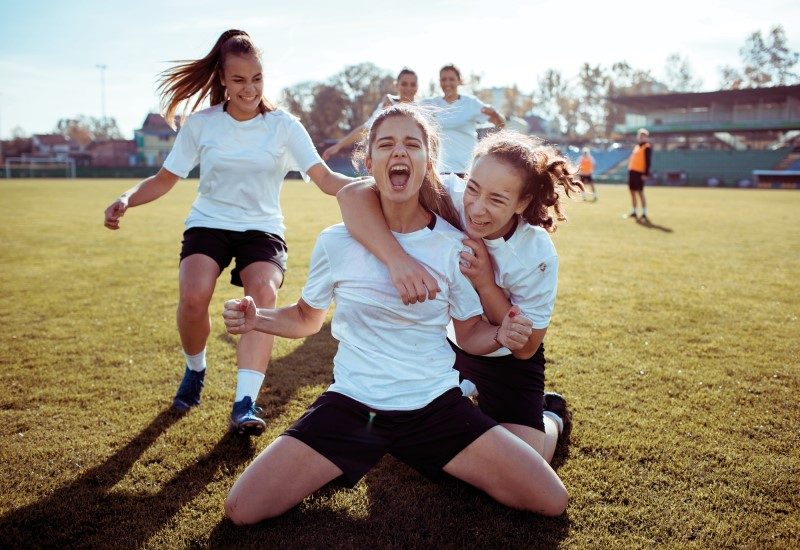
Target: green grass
[{"x": 676, "y": 344}]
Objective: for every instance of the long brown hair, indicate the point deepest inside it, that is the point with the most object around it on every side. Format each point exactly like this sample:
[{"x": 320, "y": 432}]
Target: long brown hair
[
  {"x": 432, "y": 194},
  {"x": 201, "y": 78},
  {"x": 545, "y": 174}
]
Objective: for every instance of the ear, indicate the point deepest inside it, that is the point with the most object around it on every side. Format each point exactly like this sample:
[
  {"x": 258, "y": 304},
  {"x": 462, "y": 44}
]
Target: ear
[
  {"x": 429, "y": 165},
  {"x": 368, "y": 164},
  {"x": 522, "y": 204}
]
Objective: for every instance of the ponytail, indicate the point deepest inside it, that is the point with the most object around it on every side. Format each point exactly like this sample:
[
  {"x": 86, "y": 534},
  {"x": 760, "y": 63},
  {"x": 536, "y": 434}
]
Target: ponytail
[{"x": 201, "y": 78}]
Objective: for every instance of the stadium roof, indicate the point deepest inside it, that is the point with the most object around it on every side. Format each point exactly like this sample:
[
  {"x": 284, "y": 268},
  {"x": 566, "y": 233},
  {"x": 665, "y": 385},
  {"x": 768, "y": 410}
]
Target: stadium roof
[{"x": 700, "y": 99}]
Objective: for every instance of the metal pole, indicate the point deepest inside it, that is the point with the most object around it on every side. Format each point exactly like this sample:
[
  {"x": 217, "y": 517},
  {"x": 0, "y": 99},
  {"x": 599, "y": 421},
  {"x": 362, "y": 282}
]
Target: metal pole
[{"x": 103, "y": 89}]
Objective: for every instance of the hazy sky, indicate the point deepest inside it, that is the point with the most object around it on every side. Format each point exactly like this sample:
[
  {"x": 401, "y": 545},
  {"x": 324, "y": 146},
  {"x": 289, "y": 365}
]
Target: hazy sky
[{"x": 49, "y": 49}]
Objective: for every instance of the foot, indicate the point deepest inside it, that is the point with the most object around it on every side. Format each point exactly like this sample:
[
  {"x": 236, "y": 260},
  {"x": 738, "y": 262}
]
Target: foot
[
  {"x": 555, "y": 403},
  {"x": 631, "y": 215},
  {"x": 188, "y": 394},
  {"x": 644, "y": 219},
  {"x": 244, "y": 418}
]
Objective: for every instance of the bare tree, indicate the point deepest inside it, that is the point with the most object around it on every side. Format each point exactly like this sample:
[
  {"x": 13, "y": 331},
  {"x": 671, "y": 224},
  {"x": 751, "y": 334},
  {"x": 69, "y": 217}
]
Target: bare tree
[
  {"x": 327, "y": 113},
  {"x": 592, "y": 88},
  {"x": 679, "y": 75},
  {"x": 767, "y": 62},
  {"x": 553, "y": 100}
]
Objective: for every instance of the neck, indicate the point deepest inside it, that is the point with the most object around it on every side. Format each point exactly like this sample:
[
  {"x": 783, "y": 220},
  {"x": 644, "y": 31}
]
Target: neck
[
  {"x": 239, "y": 115},
  {"x": 451, "y": 97},
  {"x": 405, "y": 217}
]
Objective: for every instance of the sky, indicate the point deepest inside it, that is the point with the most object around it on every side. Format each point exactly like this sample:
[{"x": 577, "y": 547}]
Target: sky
[{"x": 50, "y": 49}]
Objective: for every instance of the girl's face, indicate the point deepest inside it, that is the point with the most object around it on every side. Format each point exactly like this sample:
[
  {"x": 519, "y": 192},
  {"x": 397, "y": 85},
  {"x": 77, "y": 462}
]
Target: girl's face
[
  {"x": 244, "y": 83},
  {"x": 398, "y": 159},
  {"x": 492, "y": 198},
  {"x": 449, "y": 81},
  {"x": 407, "y": 87}
]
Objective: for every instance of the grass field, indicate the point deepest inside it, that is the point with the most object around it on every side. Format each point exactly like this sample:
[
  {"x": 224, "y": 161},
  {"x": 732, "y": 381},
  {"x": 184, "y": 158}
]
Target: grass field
[{"x": 677, "y": 345}]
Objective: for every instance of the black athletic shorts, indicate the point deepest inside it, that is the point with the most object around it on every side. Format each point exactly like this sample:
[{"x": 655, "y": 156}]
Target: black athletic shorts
[
  {"x": 510, "y": 390},
  {"x": 222, "y": 245},
  {"x": 355, "y": 437},
  {"x": 586, "y": 178},
  {"x": 635, "y": 180}
]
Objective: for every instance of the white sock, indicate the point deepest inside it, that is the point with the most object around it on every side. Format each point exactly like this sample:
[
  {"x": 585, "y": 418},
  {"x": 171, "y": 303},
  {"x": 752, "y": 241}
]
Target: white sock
[
  {"x": 468, "y": 388},
  {"x": 644, "y": 211},
  {"x": 248, "y": 384},
  {"x": 197, "y": 362},
  {"x": 555, "y": 418}
]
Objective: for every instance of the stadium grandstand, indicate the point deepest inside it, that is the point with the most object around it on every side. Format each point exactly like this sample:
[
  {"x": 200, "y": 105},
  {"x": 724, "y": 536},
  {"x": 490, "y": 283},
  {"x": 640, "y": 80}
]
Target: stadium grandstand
[{"x": 732, "y": 138}]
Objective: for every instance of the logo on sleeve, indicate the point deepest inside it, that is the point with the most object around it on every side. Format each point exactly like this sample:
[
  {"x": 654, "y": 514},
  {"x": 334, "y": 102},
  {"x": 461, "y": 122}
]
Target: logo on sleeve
[{"x": 542, "y": 267}]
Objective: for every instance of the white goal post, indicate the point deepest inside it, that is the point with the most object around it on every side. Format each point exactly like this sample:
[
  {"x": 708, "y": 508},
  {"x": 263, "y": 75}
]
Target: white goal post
[{"x": 34, "y": 167}]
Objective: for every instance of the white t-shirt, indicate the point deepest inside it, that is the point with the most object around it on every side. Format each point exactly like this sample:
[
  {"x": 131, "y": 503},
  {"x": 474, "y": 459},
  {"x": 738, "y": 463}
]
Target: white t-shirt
[
  {"x": 391, "y": 356},
  {"x": 382, "y": 104},
  {"x": 456, "y": 122},
  {"x": 242, "y": 167},
  {"x": 526, "y": 265}
]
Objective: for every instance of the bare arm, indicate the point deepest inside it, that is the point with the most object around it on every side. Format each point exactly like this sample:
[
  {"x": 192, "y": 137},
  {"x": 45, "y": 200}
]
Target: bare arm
[
  {"x": 354, "y": 135},
  {"x": 296, "y": 321},
  {"x": 494, "y": 117},
  {"x": 328, "y": 181},
  {"x": 363, "y": 217},
  {"x": 478, "y": 337},
  {"x": 145, "y": 191},
  {"x": 478, "y": 268}
]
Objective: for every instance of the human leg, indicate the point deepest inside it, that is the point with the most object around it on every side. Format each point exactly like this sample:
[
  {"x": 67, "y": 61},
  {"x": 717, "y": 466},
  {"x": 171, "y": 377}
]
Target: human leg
[
  {"x": 335, "y": 436},
  {"x": 511, "y": 472},
  {"x": 261, "y": 281},
  {"x": 511, "y": 391},
  {"x": 543, "y": 442},
  {"x": 280, "y": 477},
  {"x": 196, "y": 280}
]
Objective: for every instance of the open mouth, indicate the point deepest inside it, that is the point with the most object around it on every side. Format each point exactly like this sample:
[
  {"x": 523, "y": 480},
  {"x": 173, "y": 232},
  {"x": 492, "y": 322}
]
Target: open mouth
[
  {"x": 478, "y": 224},
  {"x": 399, "y": 175}
]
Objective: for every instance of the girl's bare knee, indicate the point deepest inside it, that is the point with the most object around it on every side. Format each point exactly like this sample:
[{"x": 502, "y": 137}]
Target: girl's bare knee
[{"x": 555, "y": 505}]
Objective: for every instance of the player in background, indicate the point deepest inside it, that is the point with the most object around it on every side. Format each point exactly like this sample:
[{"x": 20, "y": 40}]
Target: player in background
[
  {"x": 586, "y": 166},
  {"x": 639, "y": 168}
]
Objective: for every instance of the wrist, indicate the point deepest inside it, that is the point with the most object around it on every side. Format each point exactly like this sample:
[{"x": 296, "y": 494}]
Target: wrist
[{"x": 497, "y": 337}]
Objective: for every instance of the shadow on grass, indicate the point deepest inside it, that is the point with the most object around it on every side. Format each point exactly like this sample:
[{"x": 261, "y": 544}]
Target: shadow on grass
[
  {"x": 88, "y": 512},
  {"x": 650, "y": 225},
  {"x": 400, "y": 508}
]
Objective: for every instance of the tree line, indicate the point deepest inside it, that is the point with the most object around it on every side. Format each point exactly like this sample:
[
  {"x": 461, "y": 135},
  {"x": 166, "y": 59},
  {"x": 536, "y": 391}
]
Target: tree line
[
  {"x": 573, "y": 107},
  {"x": 576, "y": 107}
]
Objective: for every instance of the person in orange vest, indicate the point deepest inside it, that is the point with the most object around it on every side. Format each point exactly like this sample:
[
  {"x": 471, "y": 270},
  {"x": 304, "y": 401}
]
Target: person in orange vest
[
  {"x": 585, "y": 169},
  {"x": 638, "y": 168}
]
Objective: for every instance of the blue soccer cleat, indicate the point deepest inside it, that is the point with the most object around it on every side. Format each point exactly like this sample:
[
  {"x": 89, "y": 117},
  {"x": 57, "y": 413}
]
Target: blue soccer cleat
[
  {"x": 188, "y": 394},
  {"x": 244, "y": 419}
]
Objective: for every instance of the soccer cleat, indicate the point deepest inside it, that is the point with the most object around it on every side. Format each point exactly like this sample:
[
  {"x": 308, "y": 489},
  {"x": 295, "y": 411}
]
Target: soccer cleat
[
  {"x": 244, "y": 420},
  {"x": 644, "y": 219},
  {"x": 188, "y": 394},
  {"x": 555, "y": 403}
]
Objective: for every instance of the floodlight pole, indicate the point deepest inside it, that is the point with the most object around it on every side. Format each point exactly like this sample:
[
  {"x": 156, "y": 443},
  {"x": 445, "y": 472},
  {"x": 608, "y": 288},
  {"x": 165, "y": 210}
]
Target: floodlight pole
[{"x": 103, "y": 68}]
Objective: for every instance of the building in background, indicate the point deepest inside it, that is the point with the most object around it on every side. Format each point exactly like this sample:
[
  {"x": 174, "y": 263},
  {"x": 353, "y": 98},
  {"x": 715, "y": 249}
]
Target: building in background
[{"x": 154, "y": 140}]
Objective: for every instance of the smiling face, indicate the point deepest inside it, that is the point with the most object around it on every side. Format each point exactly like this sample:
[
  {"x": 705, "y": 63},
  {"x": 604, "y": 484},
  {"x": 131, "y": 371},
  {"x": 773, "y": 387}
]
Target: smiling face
[
  {"x": 398, "y": 158},
  {"x": 406, "y": 87},
  {"x": 244, "y": 83},
  {"x": 449, "y": 81},
  {"x": 492, "y": 198}
]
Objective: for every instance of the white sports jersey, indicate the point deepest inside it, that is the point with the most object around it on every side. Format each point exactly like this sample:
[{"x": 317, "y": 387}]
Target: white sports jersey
[
  {"x": 526, "y": 265},
  {"x": 242, "y": 167},
  {"x": 391, "y": 356},
  {"x": 456, "y": 122}
]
